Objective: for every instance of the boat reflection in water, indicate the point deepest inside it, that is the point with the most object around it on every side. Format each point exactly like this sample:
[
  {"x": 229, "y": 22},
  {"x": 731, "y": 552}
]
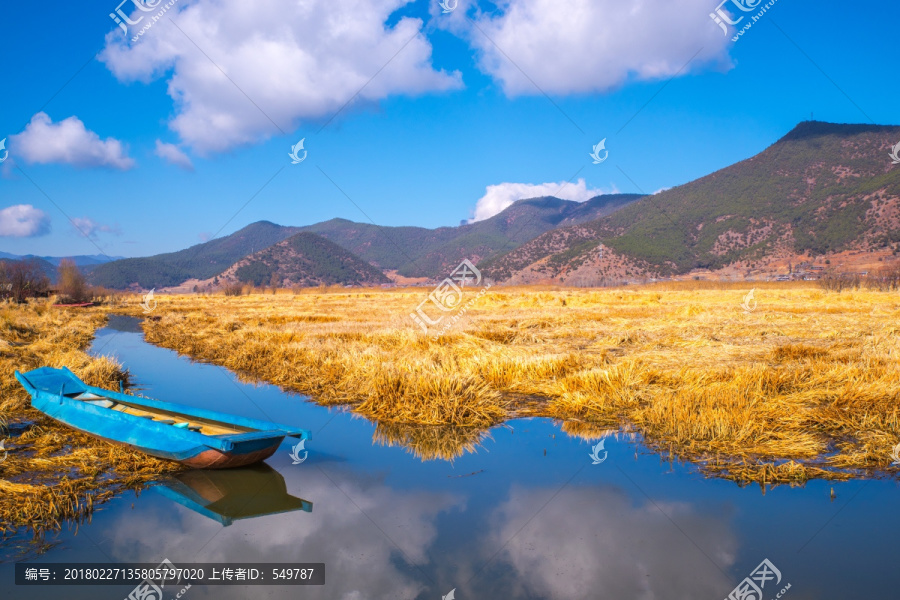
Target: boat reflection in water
[{"x": 228, "y": 495}]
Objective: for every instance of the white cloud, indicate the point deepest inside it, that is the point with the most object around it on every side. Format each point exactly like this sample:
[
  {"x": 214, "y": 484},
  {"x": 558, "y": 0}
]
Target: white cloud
[
  {"x": 581, "y": 46},
  {"x": 23, "y": 220},
  {"x": 601, "y": 539},
  {"x": 498, "y": 197},
  {"x": 68, "y": 142},
  {"x": 173, "y": 154},
  {"x": 298, "y": 61},
  {"x": 363, "y": 562},
  {"x": 90, "y": 228}
]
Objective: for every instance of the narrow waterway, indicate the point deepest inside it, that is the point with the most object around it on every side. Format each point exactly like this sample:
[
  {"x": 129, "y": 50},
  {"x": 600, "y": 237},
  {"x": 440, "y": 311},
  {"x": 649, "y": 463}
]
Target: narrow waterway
[{"x": 528, "y": 516}]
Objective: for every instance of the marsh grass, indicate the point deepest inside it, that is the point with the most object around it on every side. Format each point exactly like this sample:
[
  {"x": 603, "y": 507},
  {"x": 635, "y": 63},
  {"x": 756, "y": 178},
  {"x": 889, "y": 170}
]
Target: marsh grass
[
  {"x": 804, "y": 386},
  {"x": 53, "y": 474}
]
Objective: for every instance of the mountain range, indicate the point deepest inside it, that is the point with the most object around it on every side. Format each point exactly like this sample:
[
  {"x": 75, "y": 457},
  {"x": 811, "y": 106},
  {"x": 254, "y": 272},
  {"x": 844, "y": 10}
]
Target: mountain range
[
  {"x": 821, "y": 190},
  {"x": 414, "y": 252},
  {"x": 48, "y": 264},
  {"x": 81, "y": 260}
]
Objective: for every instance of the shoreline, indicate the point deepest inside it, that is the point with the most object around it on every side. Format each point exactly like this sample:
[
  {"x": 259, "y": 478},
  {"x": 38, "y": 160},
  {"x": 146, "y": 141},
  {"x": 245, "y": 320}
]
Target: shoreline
[
  {"x": 52, "y": 474},
  {"x": 775, "y": 410},
  {"x": 810, "y": 402}
]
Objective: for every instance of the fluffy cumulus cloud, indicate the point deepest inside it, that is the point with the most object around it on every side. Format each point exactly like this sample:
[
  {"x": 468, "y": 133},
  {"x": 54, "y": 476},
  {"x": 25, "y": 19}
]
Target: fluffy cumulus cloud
[
  {"x": 285, "y": 62},
  {"x": 67, "y": 142},
  {"x": 90, "y": 228},
  {"x": 498, "y": 197},
  {"x": 173, "y": 154},
  {"x": 583, "y": 46},
  {"x": 23, "y": 220}
]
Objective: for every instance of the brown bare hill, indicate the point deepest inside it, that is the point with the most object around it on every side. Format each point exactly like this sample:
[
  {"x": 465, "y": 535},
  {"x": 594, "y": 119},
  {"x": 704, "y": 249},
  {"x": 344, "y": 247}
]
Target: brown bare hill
[{"x": 303, "y": 260}]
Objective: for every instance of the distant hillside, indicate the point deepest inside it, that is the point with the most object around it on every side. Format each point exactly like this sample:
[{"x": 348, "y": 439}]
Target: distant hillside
[
  {"x": 81, "y": 260},
  {"x": 197, "y": 262},
  {"x": 46, "y": 267},
  {"x": 820, "y": 189},
  {"x": 420, "y": 252},
  {"x": 412, "y": 251},
  {"x": 304, "y": 259}
]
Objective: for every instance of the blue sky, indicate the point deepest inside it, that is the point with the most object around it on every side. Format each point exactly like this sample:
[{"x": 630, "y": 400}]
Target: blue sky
[{"x": 446, "y": 122}]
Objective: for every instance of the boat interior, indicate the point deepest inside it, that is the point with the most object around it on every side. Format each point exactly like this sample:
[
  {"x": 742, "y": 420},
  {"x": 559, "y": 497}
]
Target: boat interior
[{"x": 191, "y": 423}]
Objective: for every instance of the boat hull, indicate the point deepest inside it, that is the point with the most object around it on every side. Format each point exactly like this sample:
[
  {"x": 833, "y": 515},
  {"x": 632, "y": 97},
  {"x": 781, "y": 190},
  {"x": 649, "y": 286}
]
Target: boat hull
[
  {"x": 215, "y": 459},
  {"x": 56, "y": 393},
  {"x": 206, "y": 458}
]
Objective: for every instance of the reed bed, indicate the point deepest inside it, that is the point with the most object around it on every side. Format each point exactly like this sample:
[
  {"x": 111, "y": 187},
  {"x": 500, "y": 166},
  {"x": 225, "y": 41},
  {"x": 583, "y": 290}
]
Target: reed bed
[
  {"x": 52, "y": 474},
  {"x": 804, "y": 385}
]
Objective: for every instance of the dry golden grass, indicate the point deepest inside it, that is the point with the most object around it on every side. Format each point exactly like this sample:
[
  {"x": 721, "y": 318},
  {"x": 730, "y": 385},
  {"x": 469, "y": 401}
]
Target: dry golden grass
[
  {"x": 804, "y": 386},
  {"x": 53, "y": 473}
]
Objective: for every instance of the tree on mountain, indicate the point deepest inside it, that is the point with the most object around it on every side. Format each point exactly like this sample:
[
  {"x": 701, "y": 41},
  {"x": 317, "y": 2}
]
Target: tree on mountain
[{"x": 71, "y": 283}]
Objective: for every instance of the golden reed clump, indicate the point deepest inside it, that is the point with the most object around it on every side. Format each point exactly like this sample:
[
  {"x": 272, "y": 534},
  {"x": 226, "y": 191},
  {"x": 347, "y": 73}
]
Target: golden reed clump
[
  {"x": 52, "y": 473},
  {"x": 803, "y": 385}
]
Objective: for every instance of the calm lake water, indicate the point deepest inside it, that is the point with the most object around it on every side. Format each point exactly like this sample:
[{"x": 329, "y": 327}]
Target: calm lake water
[{"x": 526, "y": 525}]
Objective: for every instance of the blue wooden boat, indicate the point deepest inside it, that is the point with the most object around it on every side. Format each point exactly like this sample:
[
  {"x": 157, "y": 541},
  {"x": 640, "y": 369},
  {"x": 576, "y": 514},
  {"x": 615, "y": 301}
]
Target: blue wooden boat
[{"x": 192, "y": 436}]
